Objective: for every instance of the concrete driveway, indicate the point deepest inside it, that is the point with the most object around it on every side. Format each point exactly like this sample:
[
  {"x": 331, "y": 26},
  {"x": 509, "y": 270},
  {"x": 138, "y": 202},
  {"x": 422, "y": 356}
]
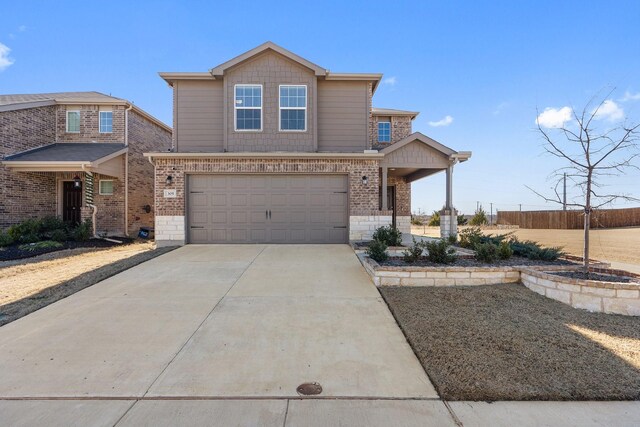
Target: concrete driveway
[{"x": 207, "y": 322}]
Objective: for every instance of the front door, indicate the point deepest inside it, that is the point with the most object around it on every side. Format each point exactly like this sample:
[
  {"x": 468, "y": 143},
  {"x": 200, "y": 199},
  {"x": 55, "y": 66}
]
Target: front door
[{"x": 71, "y": 202}]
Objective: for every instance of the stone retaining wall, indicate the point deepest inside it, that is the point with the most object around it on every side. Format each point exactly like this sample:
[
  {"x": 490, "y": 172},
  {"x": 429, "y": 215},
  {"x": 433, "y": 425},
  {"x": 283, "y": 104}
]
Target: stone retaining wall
[{"x": 597, "y": 296}]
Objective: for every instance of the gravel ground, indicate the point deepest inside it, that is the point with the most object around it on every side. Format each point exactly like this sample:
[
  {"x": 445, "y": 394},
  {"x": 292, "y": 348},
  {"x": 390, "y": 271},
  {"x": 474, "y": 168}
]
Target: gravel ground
[
  {"x": 30, "y": 284},
  {"x": 14, "y": 252},
  {"x": 505, "y": 342},
  {"x": 596, "y": 276},
  {"x": 472, "y": 262}
]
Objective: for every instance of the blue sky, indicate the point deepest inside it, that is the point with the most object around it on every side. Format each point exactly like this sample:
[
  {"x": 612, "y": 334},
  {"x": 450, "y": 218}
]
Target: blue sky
[{"x": 487, "y": 65}]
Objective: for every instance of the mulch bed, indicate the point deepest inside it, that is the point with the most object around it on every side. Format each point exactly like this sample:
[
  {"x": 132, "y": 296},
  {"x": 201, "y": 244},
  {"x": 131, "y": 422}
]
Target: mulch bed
[
  {"x": 468, "y": 261},
  {"x": 505, "y": 342},
  {"x": 596, "y": 276},
  {"x": 13, "y": 252}
]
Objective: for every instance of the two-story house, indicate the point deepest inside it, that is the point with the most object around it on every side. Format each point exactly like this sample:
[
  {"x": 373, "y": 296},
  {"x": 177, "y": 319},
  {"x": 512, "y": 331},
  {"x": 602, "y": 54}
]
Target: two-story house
[
  {"x": 78, "y": 155},
  {"x": 270, "y": 147}
]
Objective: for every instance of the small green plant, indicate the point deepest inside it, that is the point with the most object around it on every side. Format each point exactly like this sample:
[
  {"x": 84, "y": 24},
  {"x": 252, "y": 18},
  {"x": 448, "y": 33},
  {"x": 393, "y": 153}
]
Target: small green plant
[
  {"x": 82, "y": 231},
  {"x": 29, "y": 238},
  {"x": 413, "y": 252},
  {"x": 470, "y": 237},
  {"x": 534, "y": 251},
  {"x": 462, "y": 220},
  {"x": 479, "y": 218},
  {"x": 377, "y": 251},
  {"x": 58, "y": 235},
  {"x": 5, "y": 239},
  {"x": 416, "y": 221},
  {"x": 24, "y": 231},
  {"x": 504, "y": 250},
  {"x": 486, "y": 252},
  {"x": 51, "y": 223},
  {"x": 389, "y": 235},
  {"x": 434, "y": 221},
  {"x": 45, "y": 244},
  {"x": 452, "y": 239},
  {"x": 440, "y": 252}
]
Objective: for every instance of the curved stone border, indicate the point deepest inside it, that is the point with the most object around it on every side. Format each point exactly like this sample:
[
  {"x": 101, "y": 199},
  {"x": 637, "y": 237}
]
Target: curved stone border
[{"x": 596, "y": 296}]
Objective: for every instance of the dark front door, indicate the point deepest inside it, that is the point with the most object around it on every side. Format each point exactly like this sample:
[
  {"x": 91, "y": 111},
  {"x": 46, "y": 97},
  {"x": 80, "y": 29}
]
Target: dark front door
[{"x": 71, "y": 202}]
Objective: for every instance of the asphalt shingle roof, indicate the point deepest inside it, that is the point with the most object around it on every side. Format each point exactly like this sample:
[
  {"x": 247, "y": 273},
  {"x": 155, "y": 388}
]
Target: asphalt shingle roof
[{"x": 68, "y": 152}]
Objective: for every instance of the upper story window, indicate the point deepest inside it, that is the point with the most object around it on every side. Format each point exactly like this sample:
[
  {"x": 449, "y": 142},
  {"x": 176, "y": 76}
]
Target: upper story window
[
  {"x": 106, "y": 121},
  {"x": 384, "y": 131},
  {"x": 73, "y": 121},
  {"x": 248, "y": 107},
  {"x": 293, "y": 108}
]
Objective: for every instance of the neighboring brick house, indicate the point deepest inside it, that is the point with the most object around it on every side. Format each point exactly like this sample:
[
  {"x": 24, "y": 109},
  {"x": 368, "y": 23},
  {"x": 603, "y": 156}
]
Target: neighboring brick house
[
  {"x": 269, "y": 147},
  {"x": 78, "y": 155}
]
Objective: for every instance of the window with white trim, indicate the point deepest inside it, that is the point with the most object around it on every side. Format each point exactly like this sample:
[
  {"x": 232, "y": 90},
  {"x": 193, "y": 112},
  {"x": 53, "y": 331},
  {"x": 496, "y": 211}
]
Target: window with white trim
[
  {"x": 106, "y": 121},
  {"x": 293, "y": 108},
  {"x": 106, "y": 187},
  {"x": 248, "y": 107},
  {"x": 73, "y": 121},
  {"x": 384, "y": 131}
]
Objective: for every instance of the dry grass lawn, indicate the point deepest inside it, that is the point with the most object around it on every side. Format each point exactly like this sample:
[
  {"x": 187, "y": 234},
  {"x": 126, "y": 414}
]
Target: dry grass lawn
[
  {"x": 613, "y": 244},
  {"x": 29, "y": 284},
  {"x": 504, "y": 342}
]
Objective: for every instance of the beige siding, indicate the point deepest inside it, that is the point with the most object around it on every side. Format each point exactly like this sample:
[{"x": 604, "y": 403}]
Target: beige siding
[
  {"x": 416, "y": 154},
  {"x": 342, "y": 116},
  {"x": 199, "y": 116},
  {"x": 270, "y": 69}
]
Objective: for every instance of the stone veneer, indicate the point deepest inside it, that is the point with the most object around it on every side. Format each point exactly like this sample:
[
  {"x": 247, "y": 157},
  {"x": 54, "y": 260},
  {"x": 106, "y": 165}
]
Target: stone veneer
[
  {"x": 403, "y": 223},
  {"x": 448, "y": 223},
  {"x": 596, "y": 296},
  {"x": 361, "y": 227}
]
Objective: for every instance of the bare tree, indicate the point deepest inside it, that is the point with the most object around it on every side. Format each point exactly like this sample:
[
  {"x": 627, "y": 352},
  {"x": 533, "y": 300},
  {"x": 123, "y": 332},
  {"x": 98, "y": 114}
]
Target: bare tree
[{"x": 592, "y": 152}]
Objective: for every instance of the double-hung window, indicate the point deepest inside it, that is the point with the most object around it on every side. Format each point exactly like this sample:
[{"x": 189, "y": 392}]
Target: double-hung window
[
  {"x": 293, "y": 108},
  {"x": 106, "y": 121},
  {"x": 106, "y": 187},
  {"x": 73, "y": 121},
  {"x": 384, "y": 131},
  {"x": 248, "y": 107}
]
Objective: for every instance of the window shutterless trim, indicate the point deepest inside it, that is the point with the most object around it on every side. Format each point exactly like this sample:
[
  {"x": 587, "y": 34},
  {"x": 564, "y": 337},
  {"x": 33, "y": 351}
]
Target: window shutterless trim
[
  {"x": 66, "y": 126},
  {"x": 235, "y": 107},
  {"x": 280, "y": 108},
  {"x": 100, "y": 121},
  {"x": 100, "y": 187},
  {"x": 379, "y": 123}
]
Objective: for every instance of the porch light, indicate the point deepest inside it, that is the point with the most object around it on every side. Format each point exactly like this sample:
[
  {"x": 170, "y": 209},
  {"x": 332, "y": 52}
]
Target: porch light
[
  {"x": 169, "y": 180},
  {"x": 365, "y": 180},
  {"x": 77, "y": 182}
]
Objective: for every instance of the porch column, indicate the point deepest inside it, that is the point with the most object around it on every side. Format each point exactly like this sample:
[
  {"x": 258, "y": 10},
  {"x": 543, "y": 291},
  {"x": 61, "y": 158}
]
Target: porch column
[
  {"x": 448, "y": 215},
  {"x": 449, "y": 197},
  {"x": 384, "y": 188}
]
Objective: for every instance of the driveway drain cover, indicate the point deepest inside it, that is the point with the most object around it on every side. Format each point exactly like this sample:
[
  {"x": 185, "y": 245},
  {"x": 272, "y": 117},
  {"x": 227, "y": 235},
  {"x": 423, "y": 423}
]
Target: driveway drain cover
[{"x": 309, "y": 389}]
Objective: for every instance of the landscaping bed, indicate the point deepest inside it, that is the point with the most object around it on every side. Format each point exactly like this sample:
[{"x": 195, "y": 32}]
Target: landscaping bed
[
  {"x": 20, "y": 251},
  {"x": 596, "y": 276},
  {"x": 469, "y": 261},
  {"x": 503, "y": 342}
]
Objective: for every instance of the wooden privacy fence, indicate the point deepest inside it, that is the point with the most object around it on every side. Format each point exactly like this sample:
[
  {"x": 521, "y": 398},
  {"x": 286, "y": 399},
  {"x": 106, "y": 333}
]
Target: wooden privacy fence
[{"x": 573, "y": 219}]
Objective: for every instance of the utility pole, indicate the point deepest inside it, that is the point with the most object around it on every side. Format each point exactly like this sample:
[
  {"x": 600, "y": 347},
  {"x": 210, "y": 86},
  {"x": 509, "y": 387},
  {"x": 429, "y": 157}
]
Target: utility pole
[
  {"x": 477, "y": 206},
  {"x": 491, "y": 216},
  {"x": 520, "y": 207},
  {"x": 564, "y": 198}
]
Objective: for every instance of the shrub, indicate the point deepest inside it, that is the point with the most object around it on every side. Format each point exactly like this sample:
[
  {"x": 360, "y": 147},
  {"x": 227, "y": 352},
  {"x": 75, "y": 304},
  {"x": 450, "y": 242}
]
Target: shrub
[
  {"x": 434, "y": 221},
  {"x": 452, "y": 239},
  {"x": 413, "y": 252},
  {"x": 439, "y": 252},
  {"x": 388, "y": 235},
  {"x": 470, "y": 237},
  {"x": 504, "y": 250},
  {"x": 377, "y": 251},
  {"x": 5, "y": 239},
  {"x": 52, "y": 223},
  {"x": 486, "y": 252},
  {"x": 58, "y": 235},
  {"x": 82, "y": 231},
  {"x": 45, "y": 244},
  {"x": 24, "y": 231},
  {"x": 462, "y": 220},
  {"x": 479, "y": 218},
  {"x": 416, "y": 221},
  {"x": 29, "y": 238},
  {"x": 533, "y": 250}
]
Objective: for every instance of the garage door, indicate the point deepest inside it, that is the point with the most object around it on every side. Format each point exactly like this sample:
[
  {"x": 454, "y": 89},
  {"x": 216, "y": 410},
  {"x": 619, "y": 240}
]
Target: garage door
[{"x": 267, "y": 209}]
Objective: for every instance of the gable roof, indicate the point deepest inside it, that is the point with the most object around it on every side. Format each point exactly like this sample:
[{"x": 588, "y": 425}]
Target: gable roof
[
  {"x": 33, "y": 100},
  {"x": 420, "y": 137},
  {"x": 220, "y": 69}
]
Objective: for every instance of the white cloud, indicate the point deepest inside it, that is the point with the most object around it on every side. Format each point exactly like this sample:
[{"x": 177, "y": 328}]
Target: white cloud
[
  {"x": 628, "y": 96},
  {"x": 554, "y": 117},
  {"x": 609, "y": 110},
  {"x": 500, "y": 108},
  {"x": 22, "y": 28},
  {"x": 446, "y": 121},
  {"x": 5, "y": 61},
  {"x": 390, "y": 81}
]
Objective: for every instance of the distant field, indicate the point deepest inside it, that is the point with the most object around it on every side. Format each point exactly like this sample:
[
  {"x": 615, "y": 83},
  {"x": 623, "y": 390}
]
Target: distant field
[{"x": 613, "y": 244}]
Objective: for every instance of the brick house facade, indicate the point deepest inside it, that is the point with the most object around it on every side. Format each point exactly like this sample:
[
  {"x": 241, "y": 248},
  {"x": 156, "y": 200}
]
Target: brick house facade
[
  {"x": 263, "y": 183},
  {"x": 34, "y": 125}
]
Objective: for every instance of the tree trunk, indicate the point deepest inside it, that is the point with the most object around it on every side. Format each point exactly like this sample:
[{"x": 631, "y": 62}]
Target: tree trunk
[{"x": 587, "y": 225}]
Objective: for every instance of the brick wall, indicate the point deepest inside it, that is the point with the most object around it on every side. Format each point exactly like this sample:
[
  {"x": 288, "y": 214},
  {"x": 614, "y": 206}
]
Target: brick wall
[
  {"x": 401, "y": 127},
  {"x": 403, "y": 194},
  {"x": 25, "y": 195},
  {"x": 89, "y": 124},
  {"x": 144, "y": 136}
]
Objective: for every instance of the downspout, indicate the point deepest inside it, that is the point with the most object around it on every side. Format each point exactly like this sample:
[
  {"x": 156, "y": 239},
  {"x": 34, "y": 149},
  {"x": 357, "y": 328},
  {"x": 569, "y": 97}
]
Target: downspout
[
  {"x": 126, "y": 170},
  {"x": 93, "y": 207}
]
